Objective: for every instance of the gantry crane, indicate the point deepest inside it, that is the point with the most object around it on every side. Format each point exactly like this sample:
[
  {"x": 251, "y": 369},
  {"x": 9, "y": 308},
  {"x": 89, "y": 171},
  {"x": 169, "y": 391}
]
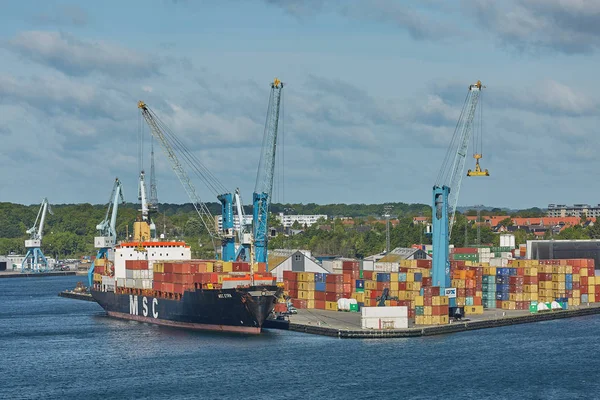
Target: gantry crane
[
  {"x": 172, "y": 146},
  {"x": 447, "y": 187},
  {"x": 34, "y": 260},
  {"x": 263, "y": 189},
  {"x": 107, "y": 239}
]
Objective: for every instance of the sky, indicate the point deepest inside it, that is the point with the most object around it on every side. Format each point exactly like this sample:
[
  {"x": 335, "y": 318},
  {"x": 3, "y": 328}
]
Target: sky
[{"x": 372, "y": 94}]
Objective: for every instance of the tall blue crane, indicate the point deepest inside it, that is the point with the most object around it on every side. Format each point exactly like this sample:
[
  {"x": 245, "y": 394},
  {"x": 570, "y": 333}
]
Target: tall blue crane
[
  {"x": 34, "y": 260},
  {"x": 107, "y": 228},
  {"x": 264, "y": 178},
  {"x": 447, "y": 187},
  {"x": 175, "y": 149}
]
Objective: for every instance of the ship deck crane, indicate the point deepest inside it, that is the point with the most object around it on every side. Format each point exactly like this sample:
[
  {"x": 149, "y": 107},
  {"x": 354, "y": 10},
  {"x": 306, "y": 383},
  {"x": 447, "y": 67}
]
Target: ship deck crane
[
  {"x": 107, "y": 239},
  {"x": 263, "y": 189},
  {"x": 447, "y": 187},
  {"x": 34, "y": 260},
  {"x": 174, "y": 148}
]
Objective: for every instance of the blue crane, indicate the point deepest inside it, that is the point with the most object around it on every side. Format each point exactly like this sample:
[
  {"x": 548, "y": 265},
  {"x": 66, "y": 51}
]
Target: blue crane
[
  {"x": 174, "y": 149},
  {"x": 107, "y": 228},
  {"x": 264, "y": 178},
  {"x": 34, "y": 260},
  {"x": 447, "y": 187}
]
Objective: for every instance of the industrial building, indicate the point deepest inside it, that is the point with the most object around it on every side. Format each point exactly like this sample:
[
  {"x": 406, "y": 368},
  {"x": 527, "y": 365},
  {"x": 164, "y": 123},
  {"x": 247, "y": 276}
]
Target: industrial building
[
  {"x": 236, "y": 221},
  {"x": 292, "y": 260},
  {"x": 563, "y": 249},
  {"x": 304, "y": 220},
  {"x": 576, "y": 210}
]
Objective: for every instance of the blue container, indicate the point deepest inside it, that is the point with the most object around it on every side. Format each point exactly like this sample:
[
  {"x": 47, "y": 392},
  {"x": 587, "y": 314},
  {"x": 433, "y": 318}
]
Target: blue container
[
  {"x": 584, "y": 298},
  {"x": 402, "y": 277},
  {"x": 320, "y": 277},
  {"x": 360, "y": 305},
  {"x": 568, "y": 278},
  {"x": 383, "y": 277},
  {"x": 512, "y": 271},
  {"x": 502, "y": 296},
  {"x": 489, "y": 279},
  {"x": 469, "y": 301},
  {"x": 564, "y": 305},
  {"x": 569, "y": 285},
  {"x": 360, "y": 284},
  {"x": 451, "y": 301},
  {"x": 502, "y": 288},
  {"x": 421, "y": 292},
  {"x": 319, "y": 286}
]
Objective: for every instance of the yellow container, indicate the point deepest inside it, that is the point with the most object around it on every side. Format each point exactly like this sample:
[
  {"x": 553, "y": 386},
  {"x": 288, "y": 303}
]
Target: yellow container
[
  {"x": 516, "y": 297},
  {"x": 427, "y": 320},
  {"x": 410, "y": 286},
  {"x": 576, "y": 278},
  {"x": 402, "y": 295},
  {"x": 331, "y": 305},
  {"x": 568, "y": 269},
  {"x": 227, "y": 266},
  {"x": 394, "y": 285},
  {"x": 530, "y": 296},
  {"x": 577, "y": 293},
  {"x": 388, "y": 303},
  {"x": 371, "y": 285},
  {"x": 416, "y": 286},
  {"x": 583, "y": 272},
  {"x": 591, "y": 290},
  {"x": 394, "y": 277},
  {"x": 473, "y": 310},
  {"x": 591, "y": 280},
  {"x": 220, "y": 278},
  {"x": 410, "y": 277},
  {"x": 359, "y": 297},
  {"x": 427, "y": 310},
  {"x": 419, "y": 301},
  {"x": 591, "y": 298},
  {"x": 576, "y": 301},
  {"x": 210, "y": 267},
  {"x": 310, "y": 304},
  {"x": 492, "y": 271},
  {"x": 369, "y": 303},
  {"x": 419, "y": 320}
]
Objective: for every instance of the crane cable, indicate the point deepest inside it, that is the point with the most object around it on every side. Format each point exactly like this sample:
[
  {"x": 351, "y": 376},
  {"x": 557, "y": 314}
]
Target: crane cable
[
  {"x": 444, "y": 176},
  {"x": 199, "y": 169}
]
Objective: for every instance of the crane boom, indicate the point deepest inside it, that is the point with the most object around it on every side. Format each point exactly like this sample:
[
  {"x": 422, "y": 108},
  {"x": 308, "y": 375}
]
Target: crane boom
[
  {"x": 203, "y": 212},
  {"x": 447, "y": 188},
  {"x": 264, "y": 177},
  {"x": 107, "y": 228}
]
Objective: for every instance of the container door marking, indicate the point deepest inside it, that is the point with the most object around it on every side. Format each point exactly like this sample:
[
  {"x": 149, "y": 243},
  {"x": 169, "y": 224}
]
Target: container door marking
[
  {"x": 154, "y": 304},
  {"x": 133, "y": 305}
]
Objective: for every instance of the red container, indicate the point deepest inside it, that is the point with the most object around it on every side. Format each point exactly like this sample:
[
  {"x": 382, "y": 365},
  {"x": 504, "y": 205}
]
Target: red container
[
  {"x": 320, "y": 304},
  {"x": 99, "y": 270},
  {"x": 516, "y": 280},
  {"x": 465, "y": 250},
  {"x": 178, "y": 288},
  {"x": 402, "y": 286},
  {"x": 424, "y": 264},
  {"x": 262, "y": 267},
  {"x": 530, "y": 280},
  {"x": 168, "y": 287},
  {"x": 332, "y": 296},
  {"x": 290, "y": 276},
  {"x": 347, "y": 288},
  {"x": 334, "y": 287},
  {"x": 583, "y": 280},
  {"x": 240, "y": 267},
  {"x": 334, "y": 278},
  {"x": 427, "y": 300},
  {"x": 159, "y": 277},
  {"x": 425, "y": 281},
  {"x": 157, "y": 286},
  {"x": 461, "y": 292},
  {"x": 280, "y": 307},
  {"x": 350, "y": 265},
  {"x": 299, "y": 303},
  {"x": 347, "y": 277},
  {"x": 470, "y": 292},
  {"x": 368, "y": 275},
  {"x": 515, "y": 289},
  {"x": 320, "y": 296},
  {"x": 293, "y": 293},
  {"x": 383, "y": 285}
]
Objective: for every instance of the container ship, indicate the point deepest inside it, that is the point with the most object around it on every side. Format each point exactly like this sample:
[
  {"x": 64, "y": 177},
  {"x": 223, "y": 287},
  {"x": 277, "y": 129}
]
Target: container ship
[{"x": 158, "y": 282}]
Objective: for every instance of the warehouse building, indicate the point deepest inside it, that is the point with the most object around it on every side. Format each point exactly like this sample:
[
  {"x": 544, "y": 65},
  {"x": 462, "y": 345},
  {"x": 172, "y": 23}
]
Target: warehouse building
[
  {"x": 292, "y": 260},
  {"x": 564, "y": 249}
]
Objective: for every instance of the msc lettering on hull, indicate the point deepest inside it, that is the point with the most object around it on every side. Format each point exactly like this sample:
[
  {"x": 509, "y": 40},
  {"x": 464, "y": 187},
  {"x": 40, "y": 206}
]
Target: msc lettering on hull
[{"x": 134, "y": 306}]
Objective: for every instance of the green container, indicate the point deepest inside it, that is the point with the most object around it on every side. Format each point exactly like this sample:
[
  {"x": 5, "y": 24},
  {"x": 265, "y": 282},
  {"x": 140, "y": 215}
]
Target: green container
[
  {"x": 354, "y": 307},
  {"x": 361, "y": 274},
  {"x": 419, "y": 310},
  {"x": 533, "y": 307},
  {"x": 359, "y": 290}
]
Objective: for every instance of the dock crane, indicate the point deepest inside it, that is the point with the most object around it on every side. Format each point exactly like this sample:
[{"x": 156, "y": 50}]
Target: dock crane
[
  {"x": 172, "y": 146},
  {"x": 447, "y": 187},
  {"x": 34, "y": 260},
  {"x": 107, "y": 239},
  {"x": 261, "y": 198}
]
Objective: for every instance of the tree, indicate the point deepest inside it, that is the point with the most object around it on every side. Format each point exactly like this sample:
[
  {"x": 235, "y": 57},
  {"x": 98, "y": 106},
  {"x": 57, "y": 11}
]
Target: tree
[{"x": 506, "y": 222}]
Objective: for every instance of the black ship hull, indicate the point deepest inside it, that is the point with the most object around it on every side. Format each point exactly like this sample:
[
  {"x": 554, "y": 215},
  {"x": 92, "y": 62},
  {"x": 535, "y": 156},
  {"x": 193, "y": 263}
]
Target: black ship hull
[{"x": 229, "y": 310}]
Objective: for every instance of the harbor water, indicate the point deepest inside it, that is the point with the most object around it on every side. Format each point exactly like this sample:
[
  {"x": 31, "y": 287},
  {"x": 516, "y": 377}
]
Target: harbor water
[{"x": 57, "y": 348}]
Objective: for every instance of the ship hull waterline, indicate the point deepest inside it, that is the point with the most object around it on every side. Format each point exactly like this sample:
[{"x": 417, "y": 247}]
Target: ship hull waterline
[{"x": 227, "y": 310}]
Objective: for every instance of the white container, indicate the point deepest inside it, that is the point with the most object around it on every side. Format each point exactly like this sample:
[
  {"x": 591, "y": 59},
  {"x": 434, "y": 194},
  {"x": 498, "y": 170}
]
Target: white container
[
  {"x": 384, "y": 323},
  {"x": 384, "y": 312}
]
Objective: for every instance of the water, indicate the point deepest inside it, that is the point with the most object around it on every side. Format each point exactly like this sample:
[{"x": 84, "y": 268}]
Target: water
[{"x": 52, "y": 348}]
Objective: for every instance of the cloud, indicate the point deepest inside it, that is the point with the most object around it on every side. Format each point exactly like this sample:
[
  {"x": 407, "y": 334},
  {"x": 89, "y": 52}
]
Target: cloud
[
  {"x": 299, "y": 8},
  {"x": 567, "y": 26},
  {"x": 63, "y": 15},
  {"x": 77, "y": 57}
]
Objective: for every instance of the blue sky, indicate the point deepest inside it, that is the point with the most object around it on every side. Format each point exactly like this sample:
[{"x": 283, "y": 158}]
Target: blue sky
[{"x": 373, "y": 92}]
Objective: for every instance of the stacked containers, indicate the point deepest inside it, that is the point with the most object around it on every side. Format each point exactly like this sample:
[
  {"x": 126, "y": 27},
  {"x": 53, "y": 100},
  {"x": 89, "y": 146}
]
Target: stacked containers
[
  {"x": 468, "y": 281},
  {"x": 137, "y": 275},
  {"x": 306, "y": 290},
  {"x": 431, "y": 308},
  {"x": 488, "y": 287}
]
